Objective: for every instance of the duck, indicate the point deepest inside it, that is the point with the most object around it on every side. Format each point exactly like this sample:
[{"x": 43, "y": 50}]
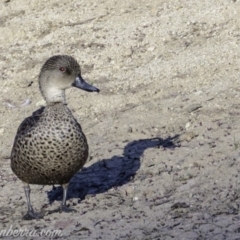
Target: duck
[{"x": 50, "y": 147}]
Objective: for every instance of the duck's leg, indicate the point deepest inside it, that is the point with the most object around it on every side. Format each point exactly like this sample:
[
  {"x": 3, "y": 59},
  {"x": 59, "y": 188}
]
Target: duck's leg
[
  {"x": 64, "y": 207},
  {"x": 30, "y": 213}
]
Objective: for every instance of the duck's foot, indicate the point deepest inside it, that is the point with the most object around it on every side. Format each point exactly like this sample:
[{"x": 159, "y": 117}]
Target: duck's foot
[
  {"x": 64, "y": 208},
  {"x": 32, "y": 215}
]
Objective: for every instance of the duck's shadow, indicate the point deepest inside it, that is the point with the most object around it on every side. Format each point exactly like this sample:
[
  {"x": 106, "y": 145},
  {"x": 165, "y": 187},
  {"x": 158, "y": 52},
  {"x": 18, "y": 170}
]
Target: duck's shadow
[{"x": 108, "y": 173}]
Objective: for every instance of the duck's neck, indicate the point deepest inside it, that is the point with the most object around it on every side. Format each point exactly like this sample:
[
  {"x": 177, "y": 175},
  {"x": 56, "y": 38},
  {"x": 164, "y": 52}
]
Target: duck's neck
[{"x": 53, "y": 95}]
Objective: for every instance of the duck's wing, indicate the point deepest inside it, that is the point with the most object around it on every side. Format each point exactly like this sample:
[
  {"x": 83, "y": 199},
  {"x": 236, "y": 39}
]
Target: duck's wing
[{"x": 29, "y": 122}]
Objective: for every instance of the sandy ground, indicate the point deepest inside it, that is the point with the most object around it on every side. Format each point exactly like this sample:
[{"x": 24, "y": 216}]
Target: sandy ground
[{"x": 164, "y": 131}]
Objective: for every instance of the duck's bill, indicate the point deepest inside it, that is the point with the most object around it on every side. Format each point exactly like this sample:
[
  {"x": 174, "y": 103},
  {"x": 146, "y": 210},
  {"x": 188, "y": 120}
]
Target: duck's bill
[{"x": 82, "y": 84}]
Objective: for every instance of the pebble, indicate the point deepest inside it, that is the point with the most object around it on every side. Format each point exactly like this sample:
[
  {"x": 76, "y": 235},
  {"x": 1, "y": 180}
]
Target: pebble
[
  {"x": 187, "y": 136},
  {"x": 129, "y": 130},
  {"x": 188, "y": 124},
  {"x": 129, "y": 190},
  {"x": 193, "y": 107},
  {"x": 151, "y": 49},
  {"x": 40, "y": 103},
  {"x": 1, "y": 131},
  {"x": 128, "y": 52}
]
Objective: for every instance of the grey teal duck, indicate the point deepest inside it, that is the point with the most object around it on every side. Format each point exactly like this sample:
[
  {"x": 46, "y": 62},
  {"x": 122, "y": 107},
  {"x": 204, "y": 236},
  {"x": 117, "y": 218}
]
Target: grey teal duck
[{"x": 50, "y": 147}]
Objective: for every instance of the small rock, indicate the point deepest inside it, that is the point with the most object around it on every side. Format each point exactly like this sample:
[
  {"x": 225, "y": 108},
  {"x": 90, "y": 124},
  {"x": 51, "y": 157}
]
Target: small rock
[
  {"x": 179, "y": 205},
  {"x": 187, "y": 136},
  {"x": 149, "y": 193},
  {"x": 193, "y": 107},
  {"x": 136, "y": 198},
  {"x": 128, "y": 52},
  {"x": 188, "y": 124},
  {"x": 151, "y": 49},
  {"x": 129, "y": 190},
  {"x": 40, "y": 103},
  {"x": 198, "y": 92},
  {"x": 1, "y": 131},
  {"x": 129, "y": 130}
]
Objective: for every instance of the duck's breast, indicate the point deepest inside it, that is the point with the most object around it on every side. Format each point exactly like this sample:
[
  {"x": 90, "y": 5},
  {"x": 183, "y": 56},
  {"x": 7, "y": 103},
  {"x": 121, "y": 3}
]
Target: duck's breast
[{"x": 49, "y": 147}]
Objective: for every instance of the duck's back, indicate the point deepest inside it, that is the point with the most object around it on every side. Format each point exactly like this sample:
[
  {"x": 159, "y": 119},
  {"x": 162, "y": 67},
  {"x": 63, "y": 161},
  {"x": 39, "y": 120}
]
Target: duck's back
[{"x": 49, "y": 147}]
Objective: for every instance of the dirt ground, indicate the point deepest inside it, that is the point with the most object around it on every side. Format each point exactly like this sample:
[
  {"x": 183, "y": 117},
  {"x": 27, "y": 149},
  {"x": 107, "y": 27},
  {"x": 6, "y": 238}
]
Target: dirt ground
[{"x": 164, "y": 132}]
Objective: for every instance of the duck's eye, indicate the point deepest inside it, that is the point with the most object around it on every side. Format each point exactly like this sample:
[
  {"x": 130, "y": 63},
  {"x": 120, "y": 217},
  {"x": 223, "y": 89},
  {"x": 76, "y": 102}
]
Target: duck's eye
[{"x": 62, "y": 69}]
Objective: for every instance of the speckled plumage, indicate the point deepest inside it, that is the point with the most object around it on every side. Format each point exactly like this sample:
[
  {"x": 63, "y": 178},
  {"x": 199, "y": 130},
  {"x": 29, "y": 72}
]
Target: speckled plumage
[{"x": 49, "y": 146}]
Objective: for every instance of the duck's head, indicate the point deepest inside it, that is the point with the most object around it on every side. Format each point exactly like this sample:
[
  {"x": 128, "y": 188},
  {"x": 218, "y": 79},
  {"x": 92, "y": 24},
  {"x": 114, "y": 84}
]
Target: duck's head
[{"x": 59, "y": 73}]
